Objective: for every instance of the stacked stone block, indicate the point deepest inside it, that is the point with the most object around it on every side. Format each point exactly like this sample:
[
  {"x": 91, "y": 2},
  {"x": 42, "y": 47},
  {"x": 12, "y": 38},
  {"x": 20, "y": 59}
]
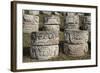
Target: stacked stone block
[
  {"x": 75, "y": 39},
  {"x": 30, "y": 24},
  {"x": 45, "y": 43}
]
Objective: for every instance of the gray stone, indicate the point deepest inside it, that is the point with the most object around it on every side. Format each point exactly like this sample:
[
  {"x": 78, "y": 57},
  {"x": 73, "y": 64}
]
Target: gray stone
[
  {"x": 45, "y": 38},
  {"x": 44, "y": 52},
  {"x": 51, "y": 28},
  {"x": 71, "y": 27},
  {"x": 76, "y": 37},
  {"x": 75, "y": 50},
  {"x": 29, "y": 27},
  {"x": 54, "y": 19},
  {"x": 31, "y": 18}
]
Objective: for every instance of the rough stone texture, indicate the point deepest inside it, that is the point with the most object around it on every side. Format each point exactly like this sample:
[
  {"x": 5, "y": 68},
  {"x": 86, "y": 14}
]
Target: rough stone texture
[
  {"x": 55, "y": 28},
  {"x": 44, "y": 52},
  {"x": 75, "y": 50},
  {"x": 71, "y": 27},
  {"x": 31, "y": 18},
  {"x": 29, "y": 27},
  {"x": 76, "y": 37},
  {"x": 54, "y": 19},
  {"x": 45, "y": 38},
  {"x": 72, "y": 19},
  {"x": 34, "y": 12}
]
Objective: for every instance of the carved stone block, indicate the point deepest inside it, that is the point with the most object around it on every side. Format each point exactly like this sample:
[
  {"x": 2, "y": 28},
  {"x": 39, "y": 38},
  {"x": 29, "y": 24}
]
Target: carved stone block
[
  {"x": 75, "y": 50},
  {"x": 51, "y": 28},
  {"x": 44, "y": 52},
  {"x": 72, "y": 19},
  {"x": 31, "y": 18},
  {"x": 29, "y": 27},
  {"x": 52, "y": 19},
  {"x": 45, "y": 38},
  {"x": 76, "y": 37},
  {"x": 71, "y": 27}
]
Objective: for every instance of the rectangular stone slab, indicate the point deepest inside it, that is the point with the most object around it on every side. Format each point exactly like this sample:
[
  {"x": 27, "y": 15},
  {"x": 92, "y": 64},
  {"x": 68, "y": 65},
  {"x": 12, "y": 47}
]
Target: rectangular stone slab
[
  {"x": 29, "y": 27},
  {"x": 76, "y": 37},
  {"x": 45, "y": 38},
  {"x": 75, "y": 50},
  {"x": 54, "y": 19},
  {"x": 51, "y": 28},
  {"x": 44, "y": 52},
  {"x": 31, "y": 18}
]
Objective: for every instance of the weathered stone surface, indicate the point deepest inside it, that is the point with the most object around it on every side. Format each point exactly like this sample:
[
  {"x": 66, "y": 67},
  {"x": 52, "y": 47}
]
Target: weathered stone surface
[
  {"x": 76, "y": 37},
  {"x": 75, "y": 50},
  {"x": 51, "y": 28},
  {"x": 31, "y": 18},
  {"x": 33, "y": 12},
  {"x": 45, "y": 38},
  {"x": 44, "y": 52},
  {"x": 71, "y": 27},
  {"x": 72, "y": 19},
  {"x": 29, "y": 27},
  {"x": 54, "y": 19}
]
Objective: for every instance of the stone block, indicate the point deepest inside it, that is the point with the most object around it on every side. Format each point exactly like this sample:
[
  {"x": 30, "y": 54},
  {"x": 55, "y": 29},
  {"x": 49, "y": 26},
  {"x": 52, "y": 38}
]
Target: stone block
[
  {"x": 45, "y": 38},
  {"x": 76, "y": 37},
  {"x": 31, "y": 18},
  {"x": 72, "y": 19},
  {"x": 54, "y": 19},
  {"x": 29, "y": 27},
  {"x": 51, "y": 28},
  {"x": 44, "y": 52},
  {"x": 71, "y": 27},
  {"x": 75, "y": 50}
]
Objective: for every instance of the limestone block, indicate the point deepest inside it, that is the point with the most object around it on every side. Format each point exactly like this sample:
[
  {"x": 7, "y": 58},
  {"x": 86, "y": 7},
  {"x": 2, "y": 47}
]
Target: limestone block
[
  {"x": 29, "y": 27},
  {"x": 51, "y": 28},
  {"x": 44, "y": 52},
  {"x": 75, "y": 50},
  {"x": 31, "y": 18},
  {"x": 54, "y": 19},
  {"x": 76, "y": 37},
  {"x": 71, "y": 27},
  {"x": 45, "y": 38}
]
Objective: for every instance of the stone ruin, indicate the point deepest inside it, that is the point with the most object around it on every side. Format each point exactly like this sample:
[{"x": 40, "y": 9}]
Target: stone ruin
[{"x": 45, "y": 40}]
